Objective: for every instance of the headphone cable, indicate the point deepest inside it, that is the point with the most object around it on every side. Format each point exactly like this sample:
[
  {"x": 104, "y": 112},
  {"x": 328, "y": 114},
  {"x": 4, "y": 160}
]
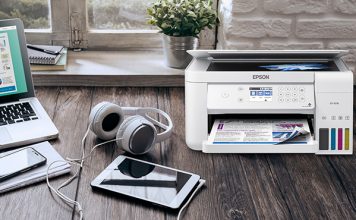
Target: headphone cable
[
  {"x": 201, "y": 184},
  {"x": 78, "y": 162}
]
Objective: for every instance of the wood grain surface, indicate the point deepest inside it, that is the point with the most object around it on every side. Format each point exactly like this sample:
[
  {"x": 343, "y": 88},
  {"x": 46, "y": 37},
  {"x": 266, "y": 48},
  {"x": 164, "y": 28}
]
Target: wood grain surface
[{"x": 275, "y": 186}]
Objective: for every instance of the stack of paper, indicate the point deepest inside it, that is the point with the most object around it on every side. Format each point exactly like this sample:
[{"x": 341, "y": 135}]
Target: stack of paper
[
  {"x": 39, "y": 173},
  {"x": 256, "y": 131}
]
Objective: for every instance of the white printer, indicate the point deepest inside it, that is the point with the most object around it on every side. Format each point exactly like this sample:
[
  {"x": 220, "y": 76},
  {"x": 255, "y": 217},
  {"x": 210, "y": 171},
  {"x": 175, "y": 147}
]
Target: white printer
[{"x": 314, "y": 84}]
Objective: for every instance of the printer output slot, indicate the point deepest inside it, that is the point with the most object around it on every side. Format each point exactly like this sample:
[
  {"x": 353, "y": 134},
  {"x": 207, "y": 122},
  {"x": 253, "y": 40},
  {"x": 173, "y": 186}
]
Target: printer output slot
[
  {"x": 213, "y": 117},
  {"x": 279, "y": 133}
]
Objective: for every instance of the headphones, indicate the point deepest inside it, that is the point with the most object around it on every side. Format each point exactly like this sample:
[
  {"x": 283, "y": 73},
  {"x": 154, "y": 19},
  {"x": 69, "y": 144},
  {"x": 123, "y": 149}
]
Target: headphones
[{"x": 136, "y": 134}]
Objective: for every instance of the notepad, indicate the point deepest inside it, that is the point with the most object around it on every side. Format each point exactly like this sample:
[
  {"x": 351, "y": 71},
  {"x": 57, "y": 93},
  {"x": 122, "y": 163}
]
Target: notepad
[
  {"x": 59, "y": 66},
  {"x": 39, "y": 57},
  {"x": 37, "y": 174}
]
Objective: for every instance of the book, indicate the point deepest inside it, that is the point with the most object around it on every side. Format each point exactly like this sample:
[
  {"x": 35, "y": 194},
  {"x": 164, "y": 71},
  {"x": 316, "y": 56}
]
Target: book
[
  {"x": 41, "y": 57},
  {"x": 37, "y": 174},
  {"x": 60, "y": 65}
]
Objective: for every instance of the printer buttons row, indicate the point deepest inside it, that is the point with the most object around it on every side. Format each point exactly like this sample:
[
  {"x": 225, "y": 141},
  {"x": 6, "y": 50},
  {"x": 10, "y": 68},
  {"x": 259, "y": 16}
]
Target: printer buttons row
[
  {"x": 287, "y": 100},
  {"x": 281, "y": 99},
  {"x": 292, "y": 89}
]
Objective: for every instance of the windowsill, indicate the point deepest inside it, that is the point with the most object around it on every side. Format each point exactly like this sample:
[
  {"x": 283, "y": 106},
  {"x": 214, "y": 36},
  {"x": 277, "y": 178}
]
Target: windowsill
[{"x": 112, "y": 68}]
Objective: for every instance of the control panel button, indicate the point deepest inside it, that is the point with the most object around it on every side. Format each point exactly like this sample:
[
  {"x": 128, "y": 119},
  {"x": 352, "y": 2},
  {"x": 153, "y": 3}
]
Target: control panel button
[
  {"x": 225, "y": 94},
  {"x": 281, "y": 100},
  {"x": 301, "y": 90},
  {"x": 302, "y": 99},
  {"x": 294, "y": 100}
]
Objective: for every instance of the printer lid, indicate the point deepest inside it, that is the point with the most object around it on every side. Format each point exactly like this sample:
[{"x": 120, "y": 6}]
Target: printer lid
[{"x": 267, "y": 54}]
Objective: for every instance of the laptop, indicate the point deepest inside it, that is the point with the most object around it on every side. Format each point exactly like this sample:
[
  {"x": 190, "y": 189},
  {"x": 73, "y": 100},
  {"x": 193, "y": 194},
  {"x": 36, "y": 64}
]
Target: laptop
[{"x": 22, "y": 118}]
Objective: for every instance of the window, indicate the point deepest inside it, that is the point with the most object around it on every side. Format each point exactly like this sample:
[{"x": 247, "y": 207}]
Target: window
[
  {"x": 92, "y": 24},
  {"x": 118, "y": 14},
  {"x": 35, "y": 14}
]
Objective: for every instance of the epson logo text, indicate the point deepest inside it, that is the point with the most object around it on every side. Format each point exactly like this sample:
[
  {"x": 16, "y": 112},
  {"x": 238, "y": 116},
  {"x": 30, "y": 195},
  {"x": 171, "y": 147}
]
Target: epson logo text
[{"x": 260, "y": 76}]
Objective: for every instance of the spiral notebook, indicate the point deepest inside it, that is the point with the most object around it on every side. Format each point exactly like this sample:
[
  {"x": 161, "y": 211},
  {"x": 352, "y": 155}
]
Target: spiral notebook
[{"x": 39, "y": 57}]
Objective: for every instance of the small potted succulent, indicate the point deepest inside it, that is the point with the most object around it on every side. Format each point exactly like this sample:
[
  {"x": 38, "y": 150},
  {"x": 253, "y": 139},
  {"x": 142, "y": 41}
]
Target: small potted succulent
[{"x": 181, "y": 21}]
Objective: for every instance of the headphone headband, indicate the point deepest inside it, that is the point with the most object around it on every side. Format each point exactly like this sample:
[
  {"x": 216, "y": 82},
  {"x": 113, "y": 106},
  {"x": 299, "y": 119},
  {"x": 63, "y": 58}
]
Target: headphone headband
[{"x": 167, "y": 128}]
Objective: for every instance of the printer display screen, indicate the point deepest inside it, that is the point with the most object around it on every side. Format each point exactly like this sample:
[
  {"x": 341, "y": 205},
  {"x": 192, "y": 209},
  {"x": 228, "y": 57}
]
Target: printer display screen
[
  {"x": 260, "y": 94},
  {"x": 272, "y": 66}
]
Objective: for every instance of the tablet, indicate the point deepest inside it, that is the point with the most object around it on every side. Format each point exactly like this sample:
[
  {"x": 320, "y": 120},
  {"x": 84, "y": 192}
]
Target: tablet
[{"x": 147, "y": 181}]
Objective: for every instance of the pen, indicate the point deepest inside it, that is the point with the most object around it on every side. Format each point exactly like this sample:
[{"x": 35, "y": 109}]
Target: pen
[{"x": 42, "y": 50}]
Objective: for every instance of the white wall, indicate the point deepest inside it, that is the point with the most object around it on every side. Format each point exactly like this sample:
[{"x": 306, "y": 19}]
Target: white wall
[{"x": 289, "y": 24}]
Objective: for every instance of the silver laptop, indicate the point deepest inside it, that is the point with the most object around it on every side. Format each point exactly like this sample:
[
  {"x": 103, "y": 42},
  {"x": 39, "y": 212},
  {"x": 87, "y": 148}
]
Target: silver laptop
[{"x": 22, "y": 118}]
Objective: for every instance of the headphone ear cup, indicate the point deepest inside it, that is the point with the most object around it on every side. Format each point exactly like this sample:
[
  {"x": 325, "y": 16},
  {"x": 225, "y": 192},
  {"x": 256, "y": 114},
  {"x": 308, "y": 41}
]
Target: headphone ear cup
[
  {"x": 136, "y": 135},
  {"x": 105, "y": 119}
]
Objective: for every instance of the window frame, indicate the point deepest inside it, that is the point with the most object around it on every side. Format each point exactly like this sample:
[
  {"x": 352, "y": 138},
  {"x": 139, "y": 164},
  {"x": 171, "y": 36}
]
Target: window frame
[
  {"x": 69, "y": 27},
  {"x": 59, "y": 32}
]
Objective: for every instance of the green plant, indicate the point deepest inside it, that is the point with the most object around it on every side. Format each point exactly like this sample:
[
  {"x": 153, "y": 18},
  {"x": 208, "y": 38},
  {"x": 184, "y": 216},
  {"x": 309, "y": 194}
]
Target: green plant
[{"x": 182, "y": 17}]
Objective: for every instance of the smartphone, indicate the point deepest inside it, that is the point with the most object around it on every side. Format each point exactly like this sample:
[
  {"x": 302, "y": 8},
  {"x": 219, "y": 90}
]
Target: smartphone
[
  {"x": 147, "y": 181},
  {"x": 19, "y": 162}
]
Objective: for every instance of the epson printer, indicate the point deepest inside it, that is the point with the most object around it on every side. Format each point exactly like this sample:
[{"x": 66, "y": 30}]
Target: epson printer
[{"x": 221, "y": 84}]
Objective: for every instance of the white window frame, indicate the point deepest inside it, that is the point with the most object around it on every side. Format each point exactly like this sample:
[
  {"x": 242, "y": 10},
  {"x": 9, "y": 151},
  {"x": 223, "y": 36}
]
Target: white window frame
[{"x": 70, "y": 28}]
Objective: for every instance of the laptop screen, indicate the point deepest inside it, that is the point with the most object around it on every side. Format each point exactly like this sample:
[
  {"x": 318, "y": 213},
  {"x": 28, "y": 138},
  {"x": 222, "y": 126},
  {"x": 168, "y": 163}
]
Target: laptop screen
[{"x": 12, "y": 73}]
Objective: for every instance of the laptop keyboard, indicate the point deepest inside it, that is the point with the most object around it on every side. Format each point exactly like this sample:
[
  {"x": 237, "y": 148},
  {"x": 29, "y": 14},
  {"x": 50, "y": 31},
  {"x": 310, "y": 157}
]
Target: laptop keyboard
[{"x": 16, "y": 113}]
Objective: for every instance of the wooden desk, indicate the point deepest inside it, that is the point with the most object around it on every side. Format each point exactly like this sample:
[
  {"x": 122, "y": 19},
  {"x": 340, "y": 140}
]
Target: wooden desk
[{"x": 238, "y": 186}]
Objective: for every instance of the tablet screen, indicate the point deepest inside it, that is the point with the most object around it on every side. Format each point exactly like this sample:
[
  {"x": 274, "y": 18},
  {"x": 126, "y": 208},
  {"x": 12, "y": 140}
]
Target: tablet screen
[{"x": 146, "y": 181}]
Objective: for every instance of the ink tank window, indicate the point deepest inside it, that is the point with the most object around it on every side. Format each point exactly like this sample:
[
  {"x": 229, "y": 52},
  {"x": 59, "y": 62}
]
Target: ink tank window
[{"x": 283, "y": 66}]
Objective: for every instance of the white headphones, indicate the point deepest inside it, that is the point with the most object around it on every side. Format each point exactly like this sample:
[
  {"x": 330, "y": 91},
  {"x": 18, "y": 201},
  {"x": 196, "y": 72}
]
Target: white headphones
[{"x": 136, "y": 134}]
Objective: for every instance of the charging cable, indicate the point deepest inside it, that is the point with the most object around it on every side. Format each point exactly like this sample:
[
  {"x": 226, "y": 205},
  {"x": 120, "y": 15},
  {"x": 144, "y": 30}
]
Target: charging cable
[
  {"x": 201, "y": 184},
  {"x": 78, "y": 162}
]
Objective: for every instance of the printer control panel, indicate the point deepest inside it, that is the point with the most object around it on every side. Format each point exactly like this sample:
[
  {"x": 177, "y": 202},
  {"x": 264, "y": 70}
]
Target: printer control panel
[
  {"x": 292, "y": 94},
  {"x": 267, "y": 96}
]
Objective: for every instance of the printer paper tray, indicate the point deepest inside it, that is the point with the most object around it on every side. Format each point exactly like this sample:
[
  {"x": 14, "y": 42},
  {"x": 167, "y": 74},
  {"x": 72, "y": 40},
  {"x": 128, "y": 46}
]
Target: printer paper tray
[{"x": 310, "y": 147}]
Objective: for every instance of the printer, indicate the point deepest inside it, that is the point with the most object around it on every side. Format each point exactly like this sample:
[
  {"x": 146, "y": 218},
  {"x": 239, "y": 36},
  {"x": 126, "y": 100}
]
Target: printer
[{"x": 313, "y": 84}]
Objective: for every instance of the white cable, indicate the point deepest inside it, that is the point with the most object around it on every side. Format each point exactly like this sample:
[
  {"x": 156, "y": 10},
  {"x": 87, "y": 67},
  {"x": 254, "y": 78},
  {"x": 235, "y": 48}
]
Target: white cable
[
  {"x": 91, "y": 151},
  {"x": 201, "y": 184},
  {"x": 78, "y": 162}
]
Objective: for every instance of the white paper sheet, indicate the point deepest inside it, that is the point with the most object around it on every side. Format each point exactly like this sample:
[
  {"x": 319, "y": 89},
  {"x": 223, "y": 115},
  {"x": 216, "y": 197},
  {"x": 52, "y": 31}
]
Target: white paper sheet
[
  {"x": 256, "y": 131},
  {"x": 39, "y": 173}
]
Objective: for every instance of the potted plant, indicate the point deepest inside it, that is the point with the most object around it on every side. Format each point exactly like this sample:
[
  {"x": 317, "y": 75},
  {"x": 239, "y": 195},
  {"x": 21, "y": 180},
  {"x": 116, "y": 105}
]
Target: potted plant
[{"x": 181, "y": 21}]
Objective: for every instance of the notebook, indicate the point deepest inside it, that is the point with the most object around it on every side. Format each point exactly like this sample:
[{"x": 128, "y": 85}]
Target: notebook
[
  {"x": 38, "y": 174},
  {"x": 60, "y": 65},
  {"x": 39, "y": 57}
]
